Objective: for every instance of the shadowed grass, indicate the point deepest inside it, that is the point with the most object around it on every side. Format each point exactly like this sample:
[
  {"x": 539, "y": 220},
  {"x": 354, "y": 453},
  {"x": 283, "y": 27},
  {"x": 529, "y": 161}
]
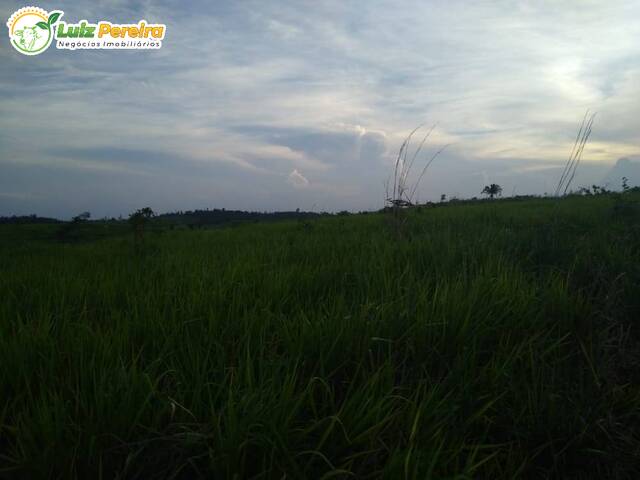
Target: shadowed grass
[{"x": 496, "y": 340}]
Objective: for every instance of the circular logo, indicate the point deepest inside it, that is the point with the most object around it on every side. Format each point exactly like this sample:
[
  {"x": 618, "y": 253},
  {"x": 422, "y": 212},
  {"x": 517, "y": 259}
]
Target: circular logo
[{"x": 31, "y": 29}]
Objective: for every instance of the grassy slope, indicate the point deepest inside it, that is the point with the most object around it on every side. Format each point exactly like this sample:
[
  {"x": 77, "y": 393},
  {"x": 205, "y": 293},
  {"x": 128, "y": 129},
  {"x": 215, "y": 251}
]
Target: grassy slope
[{"x": 495, "y": 340}]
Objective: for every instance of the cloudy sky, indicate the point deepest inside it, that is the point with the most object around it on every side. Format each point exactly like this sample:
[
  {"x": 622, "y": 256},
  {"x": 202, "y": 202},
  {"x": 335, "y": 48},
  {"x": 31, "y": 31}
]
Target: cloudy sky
[{"x": 284, "y": 104}]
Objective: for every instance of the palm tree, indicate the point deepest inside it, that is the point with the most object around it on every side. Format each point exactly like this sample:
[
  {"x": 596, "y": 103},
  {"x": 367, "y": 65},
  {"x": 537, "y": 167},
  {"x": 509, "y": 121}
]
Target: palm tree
[{"x": 492, "y": 190}]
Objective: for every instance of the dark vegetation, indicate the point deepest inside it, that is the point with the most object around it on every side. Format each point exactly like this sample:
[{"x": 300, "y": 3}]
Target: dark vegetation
[
  {"x": 492, "y": 190},
  {"x": 190, "y": 219},
  {"x": 27, "y": 220},
  {"x": 203, "y": 218},
  {"x": 491, "y": 339}
]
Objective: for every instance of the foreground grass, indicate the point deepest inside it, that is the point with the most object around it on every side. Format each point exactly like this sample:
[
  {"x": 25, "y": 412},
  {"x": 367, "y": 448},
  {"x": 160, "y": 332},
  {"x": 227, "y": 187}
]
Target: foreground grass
[{"x": 496, "y": 340}]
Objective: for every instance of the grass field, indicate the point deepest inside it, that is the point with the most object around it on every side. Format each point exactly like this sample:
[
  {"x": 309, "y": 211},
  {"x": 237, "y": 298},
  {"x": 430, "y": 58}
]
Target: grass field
[{"x": 489, "y": 340}]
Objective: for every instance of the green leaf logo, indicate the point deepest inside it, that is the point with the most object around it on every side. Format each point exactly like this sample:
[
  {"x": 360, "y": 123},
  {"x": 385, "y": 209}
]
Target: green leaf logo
[
  {"x": 31, "y": 29},
  {"x": 53, "y": 18}
]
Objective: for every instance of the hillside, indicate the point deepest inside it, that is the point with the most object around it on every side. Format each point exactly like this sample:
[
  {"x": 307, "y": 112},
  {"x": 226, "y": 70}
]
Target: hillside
[{"x": 495, "y": 339}]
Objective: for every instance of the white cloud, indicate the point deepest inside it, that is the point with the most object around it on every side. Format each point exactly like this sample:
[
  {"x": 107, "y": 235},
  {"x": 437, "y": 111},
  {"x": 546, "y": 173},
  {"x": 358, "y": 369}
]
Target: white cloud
[{"x": 298, "y": 180}]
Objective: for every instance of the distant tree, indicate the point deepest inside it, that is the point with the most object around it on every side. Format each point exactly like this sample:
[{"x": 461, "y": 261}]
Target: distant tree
[
  {"x": 71, "y": 230},
  {"x": 598, "y": 190},
  {"x": 625, "y": 184},
  {"x": 82, "y": 217},
  {"x": 443, "y": 197},
  {"x": 492, "y": 190},
  {"x": 138, "y": 221}
]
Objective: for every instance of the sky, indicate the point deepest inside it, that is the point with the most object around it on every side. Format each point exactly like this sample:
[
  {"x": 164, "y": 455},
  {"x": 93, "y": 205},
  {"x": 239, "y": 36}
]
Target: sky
[{"x": 281, "y": 105}]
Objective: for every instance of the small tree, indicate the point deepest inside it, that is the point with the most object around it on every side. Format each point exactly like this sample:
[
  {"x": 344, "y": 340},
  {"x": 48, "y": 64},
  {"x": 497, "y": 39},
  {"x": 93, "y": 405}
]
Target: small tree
[
  {"x": 138, "y": 220},
  {"x": 492, "y": 190},
  {"x": 71, "y": 230},
  {"x": 83, "y": 217}
]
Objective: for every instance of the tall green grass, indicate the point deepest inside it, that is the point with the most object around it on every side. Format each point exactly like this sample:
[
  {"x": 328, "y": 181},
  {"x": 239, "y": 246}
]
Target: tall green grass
[{"x": 495, "y": 340}]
